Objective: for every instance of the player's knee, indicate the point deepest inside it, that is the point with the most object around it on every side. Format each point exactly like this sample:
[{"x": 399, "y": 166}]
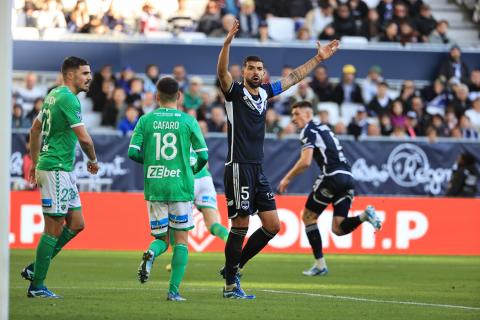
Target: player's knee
[
  {"x": 337, "y": 230},
  {"x": 79, "y": 227},
  {"x": 308, "y": 217}
]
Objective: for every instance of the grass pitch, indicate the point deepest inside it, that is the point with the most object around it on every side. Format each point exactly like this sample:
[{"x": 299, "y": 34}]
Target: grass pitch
[{"x": 103, "y": 285}]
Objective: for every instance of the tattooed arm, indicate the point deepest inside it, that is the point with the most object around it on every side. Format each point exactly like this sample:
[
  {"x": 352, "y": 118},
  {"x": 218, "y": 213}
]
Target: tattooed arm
[{"x": 297, "y": 75}]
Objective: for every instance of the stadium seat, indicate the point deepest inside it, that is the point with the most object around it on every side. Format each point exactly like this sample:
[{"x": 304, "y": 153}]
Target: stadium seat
[
  {"x": 353, "y": 40},
  {"x": 54, "y": 33},
  {"x": 282, "y": 29},
  {"x": 333, "y": 111},
  {"x": 92, "y": 119},
  {"x": 348, "y": 111},
  {"x": 159, "y": 35},
  {"x": 191, "y": 35},
  {"x": 24, "y": 33}
]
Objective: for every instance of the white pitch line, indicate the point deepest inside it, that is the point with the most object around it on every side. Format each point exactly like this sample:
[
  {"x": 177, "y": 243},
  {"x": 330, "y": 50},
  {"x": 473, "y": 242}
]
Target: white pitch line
[
  {"x": 329, "y": 296},
  {"x": 424, "y": 304}
]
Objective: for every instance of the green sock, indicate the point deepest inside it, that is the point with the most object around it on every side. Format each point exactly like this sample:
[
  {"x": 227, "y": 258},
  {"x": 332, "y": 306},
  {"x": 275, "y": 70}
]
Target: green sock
[
  {"x": 64, "y": 238},
  {"x": 45, "y": 249},
  {"x": 179, "y": 263},
  {"x": 158, "y": 247},
  {"x": 219, "y": 231}
]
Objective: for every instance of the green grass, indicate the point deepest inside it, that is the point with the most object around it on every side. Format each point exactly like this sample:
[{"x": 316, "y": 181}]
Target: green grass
[{"x": 103, "y": 285}]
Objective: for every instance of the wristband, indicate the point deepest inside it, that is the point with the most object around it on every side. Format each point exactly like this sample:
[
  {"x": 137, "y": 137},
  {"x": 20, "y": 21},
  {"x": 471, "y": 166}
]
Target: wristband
[{"x": 93, "y": 161}]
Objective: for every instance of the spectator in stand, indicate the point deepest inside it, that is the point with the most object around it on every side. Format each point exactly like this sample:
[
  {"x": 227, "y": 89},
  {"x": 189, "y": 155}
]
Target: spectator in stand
[
  {"x": 343, "y": 22},
  {"x": 385, "y": 11},
  {"x": 227, "y": 23},
  {"x": 115, "y": 108},
  {"x": 431, "y": 134},
  {"x": 114, "y": 20},
  {"x": 439, "y": 125},
  {"x": 304, "y": 92},
  {"x": 407, "y": 33},
  {"x": 272, "y": 122},
  {"x": 453, "y": 66},
  {"x": 321, "y": 85},
  {"x": 370, "y": 28},
  {"x": 425, "y": 23},
  {"x": 129, "y": 121},
  {"x": 340, "y": 128},
  {"x": 380, "y": 104},
  {"x": 217, "y": 121},
  {"x": 210, "y": 19},
  {"x": 359, "y": 12},
  {"x": 414, "y": 7},
  {"x": 249, "y": 19},
  {"x": 324, "y": 118},
  {"x": 400, "y": 14},
  {"x": 28, "y": 93},
  {"x": 152, "y": 74},
  {"x": 37, "y": 106},
  {"x": 126, "y": 76},
  {"x": 385, "y": 125},
  {"x": 407, "y": 92},
  {"x": 51, "y": 16},
  {"x": 348, "y": 90},
  {"x": 373, "y": 130},
  {"x": 474, "y": 114},
  {"x": 369, "y": 86},
  {"x": 303, "y": 34},
  {"x": 192, "y": 96},
  {"x": 359, "y": 124},
  {"x": 281, "y": 102},
  {"x": 399, "y": 132},
  {"x": 96, "y": 26},
  {"x": 391, "y": 33},
  {"x": 318, "y": 18},
  {"x": 148, "y": 102},
  {"x": 397, "y": 117},
  {"x": 18, "y": 119},
  {"x": 28, "y": 16},
  {"x": 411, "y": 124},
  {"x": 135, "y": 95},
  {"x": 101, "y": 87},
  {"x": 263, "y": 32},
  {"x": 436, "y": 94},
  {"x": 461, "y": 102},
  {"x": 422, "y": 117},
  {"x": 439, "y": 34},
  {"x": 182, "y": 19},
  {"x": 328, "y": 33},
  {"x": 180, "y": 75},
  {"x": 58, "y": 82},
  {"x": 474, "y": 84},
  {"x": 465, "y": 125},
  {"x": 79, "y": 17},
  {"x": 236, "y": 73},
  {"x": 451, "y": 120},
  {"x": 150, "y": 19},
  {"x": 296, "y": 9},
  {"x": 463, "y": 182}
]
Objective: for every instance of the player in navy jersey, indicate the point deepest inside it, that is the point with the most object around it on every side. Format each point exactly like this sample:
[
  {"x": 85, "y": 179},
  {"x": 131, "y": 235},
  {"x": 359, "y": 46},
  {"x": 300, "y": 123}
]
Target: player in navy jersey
[
  {"x": 247, "y": 190},
  {"x": 334, "y": 184}
]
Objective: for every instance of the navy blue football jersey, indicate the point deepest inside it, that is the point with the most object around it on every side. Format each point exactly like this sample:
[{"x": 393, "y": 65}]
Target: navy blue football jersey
[
  {"x": 328, "y": 153},
  {"x": 246, "y": 121}
]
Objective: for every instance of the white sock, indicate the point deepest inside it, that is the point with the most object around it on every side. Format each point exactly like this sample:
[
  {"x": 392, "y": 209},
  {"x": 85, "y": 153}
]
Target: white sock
[{"x": 320, "y": 263}]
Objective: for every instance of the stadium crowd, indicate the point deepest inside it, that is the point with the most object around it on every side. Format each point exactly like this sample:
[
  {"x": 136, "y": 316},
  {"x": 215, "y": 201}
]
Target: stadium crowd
[
  {"x": 449, "y": 107},
  {"x": 404, "y": 21}
]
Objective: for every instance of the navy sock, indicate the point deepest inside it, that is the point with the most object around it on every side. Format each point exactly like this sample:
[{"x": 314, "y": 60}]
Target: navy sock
[
  {"x": 233, "y": 252},
  {"x": 315, "y": 240},
  {"x": 350, "y": 224},
  {"x": 255, "y": 244}
]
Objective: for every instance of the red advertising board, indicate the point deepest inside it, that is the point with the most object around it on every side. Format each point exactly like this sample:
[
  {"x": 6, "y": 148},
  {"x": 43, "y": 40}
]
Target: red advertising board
[{"x": 119, "y": 221}]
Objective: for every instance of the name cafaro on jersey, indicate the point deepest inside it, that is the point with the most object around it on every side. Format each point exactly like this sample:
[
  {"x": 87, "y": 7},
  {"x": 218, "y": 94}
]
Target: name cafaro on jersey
[
  {"x": 165, "y": 125},
  {"x": 158, "y": 172}
]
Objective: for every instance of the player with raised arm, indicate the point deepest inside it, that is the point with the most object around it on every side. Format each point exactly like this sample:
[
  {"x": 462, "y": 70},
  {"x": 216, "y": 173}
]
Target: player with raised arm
[
  {"x": 334, "y": 184},
  {"x": 59, "y": 124},
  {"x": 162, "y": 141},
  {"x": 247, "y": 189}
]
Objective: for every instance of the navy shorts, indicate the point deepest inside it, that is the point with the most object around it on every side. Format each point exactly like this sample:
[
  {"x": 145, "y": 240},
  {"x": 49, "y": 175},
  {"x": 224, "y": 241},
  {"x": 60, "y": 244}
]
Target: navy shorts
[
  {"x": 247, "y": 190},
  {"x": 332, "y": 189}
]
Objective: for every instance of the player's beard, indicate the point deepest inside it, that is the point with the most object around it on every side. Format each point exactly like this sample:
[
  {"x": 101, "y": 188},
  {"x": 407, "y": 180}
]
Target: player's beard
[{"x": 253, "y": 84}]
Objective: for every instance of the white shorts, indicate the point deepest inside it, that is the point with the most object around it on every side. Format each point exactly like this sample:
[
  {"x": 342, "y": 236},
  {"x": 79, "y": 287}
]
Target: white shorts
[
  {"x": 176, "y": 215},
  {"x": 205, "y": 194},
  {"x": 59, "y": 193}
]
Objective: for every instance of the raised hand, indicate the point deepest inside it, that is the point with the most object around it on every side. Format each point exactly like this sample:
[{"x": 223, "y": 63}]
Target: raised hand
[
  {"x": 92, "y": 167},
  {"x": 328, "y": 50},
  {"x": 233, "y": 31}
]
